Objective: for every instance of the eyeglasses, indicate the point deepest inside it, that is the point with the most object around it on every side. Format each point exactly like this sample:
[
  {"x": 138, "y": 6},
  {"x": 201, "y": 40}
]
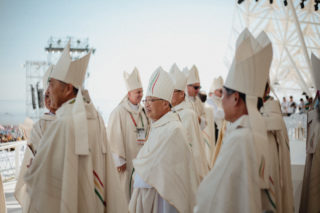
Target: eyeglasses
[{"x": 150, "y": 100}]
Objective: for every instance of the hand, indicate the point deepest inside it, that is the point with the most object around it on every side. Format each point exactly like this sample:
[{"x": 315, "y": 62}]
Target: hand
[{"x": 122, "y": 168}]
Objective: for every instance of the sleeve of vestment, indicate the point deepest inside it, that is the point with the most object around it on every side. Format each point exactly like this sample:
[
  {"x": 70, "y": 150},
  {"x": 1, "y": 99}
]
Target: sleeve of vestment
[{"x": 115, "y": 133}]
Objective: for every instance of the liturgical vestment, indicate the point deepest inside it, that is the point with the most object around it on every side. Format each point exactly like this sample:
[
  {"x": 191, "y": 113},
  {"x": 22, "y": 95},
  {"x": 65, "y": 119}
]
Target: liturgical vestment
[
  {"x": 194, "y": 135},
  {"x": 233, "y": 183},
  {"x": 165, "y": 164},
  {"x": 61, "y": 180},
  {"x": 122, "y": 129},
  {"x": 33, "y": 142},
  {"x": 280, "y": 166},
  {"x": 310, "y": 195},
  {"x": 198, "y": 107}
]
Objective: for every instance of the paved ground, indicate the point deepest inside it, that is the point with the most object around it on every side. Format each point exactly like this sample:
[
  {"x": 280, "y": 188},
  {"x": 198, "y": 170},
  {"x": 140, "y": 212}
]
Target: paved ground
[{"x": 12, "y": 204}]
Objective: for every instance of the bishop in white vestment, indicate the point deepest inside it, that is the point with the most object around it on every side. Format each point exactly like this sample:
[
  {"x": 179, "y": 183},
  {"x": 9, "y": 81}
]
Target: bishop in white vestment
[
  {"x": 189, "y": 121},
  {"x": 128, "y": 128},
  {"x": 239, "y": 180},
  {"x": 280, "y": 164},
  {"x": 165, "y": 178},
  {"x": 193, "y": 88},
  {"x": 68, "y": 173}
]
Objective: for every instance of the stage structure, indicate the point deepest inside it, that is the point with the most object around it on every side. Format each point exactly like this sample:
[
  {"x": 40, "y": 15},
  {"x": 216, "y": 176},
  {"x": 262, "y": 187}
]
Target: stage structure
[
  {"x": 294, "y": 29},
  {"x": 34, "y": 88},
  {"x": 36, "y": 69}
]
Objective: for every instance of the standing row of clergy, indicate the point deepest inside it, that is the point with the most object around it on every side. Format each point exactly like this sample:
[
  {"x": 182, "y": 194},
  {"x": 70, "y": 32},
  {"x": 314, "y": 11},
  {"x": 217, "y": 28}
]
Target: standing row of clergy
[{"x": 153, "y": 158}]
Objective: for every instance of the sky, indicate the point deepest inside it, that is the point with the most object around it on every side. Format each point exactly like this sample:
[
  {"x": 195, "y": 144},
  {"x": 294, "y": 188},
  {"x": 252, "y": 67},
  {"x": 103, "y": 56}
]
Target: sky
[{"x": 126, "y": 34}]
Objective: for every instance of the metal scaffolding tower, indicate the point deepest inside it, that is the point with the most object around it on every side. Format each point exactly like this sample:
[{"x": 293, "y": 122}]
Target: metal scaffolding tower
[
  {"x": 295, "y": 33},
  {"x": 34, "y": 88}
]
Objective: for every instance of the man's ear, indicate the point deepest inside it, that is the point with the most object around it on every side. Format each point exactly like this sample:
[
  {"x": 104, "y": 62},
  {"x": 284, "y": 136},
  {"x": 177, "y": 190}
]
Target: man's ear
[
  {"x": 236, "y": 98},
  {"x": 69, "y": 90}
]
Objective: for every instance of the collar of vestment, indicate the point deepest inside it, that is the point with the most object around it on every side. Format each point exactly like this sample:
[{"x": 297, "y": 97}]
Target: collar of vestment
[
  {"x": 168, "y": 117},
  {"x": 241, "y": 122},
  {"x": 192, "y": 98},
  {"x": 65, "y": 106},
  {"x": 48, "y": 116},
  {"x": 126, "y": 104},
  {"x": 181, "y": 106}
]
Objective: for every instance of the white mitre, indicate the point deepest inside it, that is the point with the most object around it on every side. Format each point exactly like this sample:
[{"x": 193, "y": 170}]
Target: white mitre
[
  {"x": 193, "y": 75},
  {"x": 217, "y": 83},
  {"x": 249, "y": 74},
  {"x": 185, "y": 70},
  {"x": 250, "y": 67},
  {"x": 315, "y": 70},
  {"x": 45, "y": 78},
  {"x": 74, "y": 72},
  {"x": 160, "y": 85},
  {"x": 68, "y": 71},
  {"x": 178, "y": 77},
  {"x": 133, "y": 80}
]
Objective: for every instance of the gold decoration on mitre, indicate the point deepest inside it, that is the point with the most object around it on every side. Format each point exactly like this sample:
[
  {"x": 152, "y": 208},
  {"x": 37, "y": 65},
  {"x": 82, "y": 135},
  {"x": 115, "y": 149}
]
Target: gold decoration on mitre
[
  {"x": 160, "y": 85},
  {"x": 193, "y": 75},
  {"x": 178, "y": 77},
  {"x": 71, "y": 72},
  {"x": 249, "y": 74},
  {"x": 133, "y": 80}
]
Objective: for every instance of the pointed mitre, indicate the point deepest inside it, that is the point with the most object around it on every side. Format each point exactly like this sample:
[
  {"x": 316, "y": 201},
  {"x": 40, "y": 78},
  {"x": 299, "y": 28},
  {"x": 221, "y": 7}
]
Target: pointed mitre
[
  {"x": 160, "y": 85},
  {"x": 193, "y": 75},
  {"x": 185, "y": 70},
  {"x": 250, "y": 67},
  {"x": 178, "y": 77},
  {"x": 132, "y": 80},
  {"x": 249, "y": 74},
  {"x": 68, "y": 71},
  {"x": 315, "y": 70},
  {"x": 217, "y": 83},
  {"x": 45, "y": 78}
]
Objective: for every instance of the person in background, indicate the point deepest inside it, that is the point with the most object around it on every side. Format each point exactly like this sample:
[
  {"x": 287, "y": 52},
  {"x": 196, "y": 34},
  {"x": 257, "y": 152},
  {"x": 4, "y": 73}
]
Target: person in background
[
  {"x": 128, "y": 129},
  {"x": 284, "y": 106},
  {"x": 189, "y": 121},
  {"x": 214, "y": 100},
  {"x": 279, "y": 147},
  {"x": 193, "y": 89},
  {"x": 291, "y": 106},
  {"x": 301, "y": 106}
]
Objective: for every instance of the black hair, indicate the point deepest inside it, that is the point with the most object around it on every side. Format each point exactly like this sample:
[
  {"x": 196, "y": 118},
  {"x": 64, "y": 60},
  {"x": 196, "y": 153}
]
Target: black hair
[
  {"x": 243, "y": 97},
  {"x": 231, "y": 91},
  {"x": 75, "y": 91}
]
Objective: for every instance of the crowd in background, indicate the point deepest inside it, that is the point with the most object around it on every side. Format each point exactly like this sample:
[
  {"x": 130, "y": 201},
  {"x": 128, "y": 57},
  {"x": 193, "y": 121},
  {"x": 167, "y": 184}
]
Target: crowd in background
[
  {"x": 291, "y": 107},
  {"x": 11, "y": 133}
]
